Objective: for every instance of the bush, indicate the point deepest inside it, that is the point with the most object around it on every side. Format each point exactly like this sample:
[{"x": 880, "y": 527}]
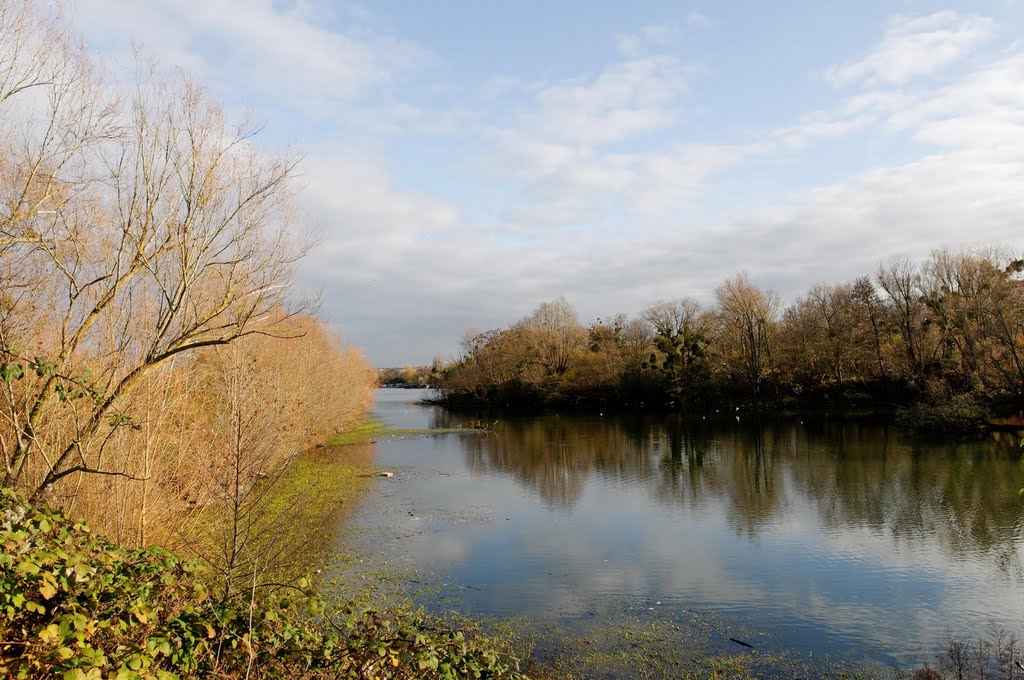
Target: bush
[
  {"x": 76, "y": 605},
  {"x": 960, "y": 414}
]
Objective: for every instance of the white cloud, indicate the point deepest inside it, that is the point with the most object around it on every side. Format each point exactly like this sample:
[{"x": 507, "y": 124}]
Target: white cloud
[
  {"x": 823, "y": 125},
  {"x": 915, "y": 46},
  {"x": 647, "y": 39},
  {"x": 526, "y": 157},
  {"x": 555, "y": 148},
  {"x": 286, "y": 56},
  {"x": 566, "y": 184},
  {"x": 629, "y": 98},
  {"x": 558, "y": 210},
  {"x": 981, "y": 108},
  {"x": 674, "y": 177},
  {"x": 698, "y": 20},
  {"x": 365, "y": 218}
]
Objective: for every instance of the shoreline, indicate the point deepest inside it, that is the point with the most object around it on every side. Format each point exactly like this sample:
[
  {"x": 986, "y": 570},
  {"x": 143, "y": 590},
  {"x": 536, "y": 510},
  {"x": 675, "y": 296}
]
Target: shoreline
[{"x": 917, "y": 417}]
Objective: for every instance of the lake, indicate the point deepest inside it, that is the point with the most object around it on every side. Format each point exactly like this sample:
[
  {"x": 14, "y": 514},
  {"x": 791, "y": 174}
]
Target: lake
[{"x": 823, "y": 536}]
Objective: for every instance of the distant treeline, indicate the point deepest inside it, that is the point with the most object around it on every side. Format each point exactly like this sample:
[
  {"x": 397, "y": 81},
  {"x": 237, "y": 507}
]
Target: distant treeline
[
  {"x": 944, "y": 333},
  {"x": 408, "y": 376}
]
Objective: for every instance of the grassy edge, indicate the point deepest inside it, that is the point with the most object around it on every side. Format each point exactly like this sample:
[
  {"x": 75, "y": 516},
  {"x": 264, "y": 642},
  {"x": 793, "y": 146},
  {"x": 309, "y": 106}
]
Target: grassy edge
[
  {"x": 318, "y": 489},
  {"x": 315, "y": 494},
  {"x": 360, "y": 433}
]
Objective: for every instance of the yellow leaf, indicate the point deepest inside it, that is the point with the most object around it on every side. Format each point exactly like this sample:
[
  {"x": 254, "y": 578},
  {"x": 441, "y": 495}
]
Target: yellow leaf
[
  {"x": 49, "y": 633},
  {"x": 47, "y": 591}
]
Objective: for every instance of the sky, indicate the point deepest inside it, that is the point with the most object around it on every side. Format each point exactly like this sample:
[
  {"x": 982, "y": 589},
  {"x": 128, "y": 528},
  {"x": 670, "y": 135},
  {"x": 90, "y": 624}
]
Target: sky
[{"x": 465, "y": 161}]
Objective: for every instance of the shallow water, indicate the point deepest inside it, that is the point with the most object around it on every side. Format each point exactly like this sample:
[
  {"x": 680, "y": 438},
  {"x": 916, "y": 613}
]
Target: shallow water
[{"x": 825, "y": 537}]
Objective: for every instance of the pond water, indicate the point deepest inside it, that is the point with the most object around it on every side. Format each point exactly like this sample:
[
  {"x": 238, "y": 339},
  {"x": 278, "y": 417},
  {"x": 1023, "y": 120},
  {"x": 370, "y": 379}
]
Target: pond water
[{"x": 827, "y": 537}]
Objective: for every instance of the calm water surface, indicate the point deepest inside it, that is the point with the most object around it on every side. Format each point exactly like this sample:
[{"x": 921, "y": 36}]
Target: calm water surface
[{"x": 827, "y": 537}]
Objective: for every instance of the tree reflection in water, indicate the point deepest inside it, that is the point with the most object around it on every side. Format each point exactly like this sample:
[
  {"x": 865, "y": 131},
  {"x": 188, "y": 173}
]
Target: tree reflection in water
[{"x": 960, "y": 495}]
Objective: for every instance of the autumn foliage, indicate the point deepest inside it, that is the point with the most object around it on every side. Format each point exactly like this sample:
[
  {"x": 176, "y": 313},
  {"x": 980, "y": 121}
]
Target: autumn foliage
[
  {"x": 157, "y": 366},
  {"x": 946, "y": 334}
]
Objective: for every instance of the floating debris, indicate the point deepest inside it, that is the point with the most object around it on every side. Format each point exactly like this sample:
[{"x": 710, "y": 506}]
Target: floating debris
[{"x": 741, "y": 643}]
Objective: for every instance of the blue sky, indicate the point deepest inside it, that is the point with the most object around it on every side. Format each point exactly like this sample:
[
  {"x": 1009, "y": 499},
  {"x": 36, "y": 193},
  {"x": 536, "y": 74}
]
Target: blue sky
[{"x": 465, "y": 161}]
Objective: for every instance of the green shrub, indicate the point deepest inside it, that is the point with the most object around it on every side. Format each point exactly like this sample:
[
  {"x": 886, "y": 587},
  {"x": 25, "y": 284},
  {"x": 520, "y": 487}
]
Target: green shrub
[{"x": 75, "y": 605}]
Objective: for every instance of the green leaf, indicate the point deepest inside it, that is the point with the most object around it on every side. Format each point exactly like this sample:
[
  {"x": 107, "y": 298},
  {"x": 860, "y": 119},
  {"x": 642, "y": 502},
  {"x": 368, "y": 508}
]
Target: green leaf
[
  {"x": 44, "y": 368},
  {"x": 26, "y": 568},
  {"x": 9, "y": 372}
]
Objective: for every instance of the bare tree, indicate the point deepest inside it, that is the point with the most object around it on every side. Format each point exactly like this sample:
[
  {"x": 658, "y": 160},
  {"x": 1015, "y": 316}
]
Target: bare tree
[
  {"x": 976, "y": 302},
  {"x": 250, "y": 451},
  {"x": 866, "y": 298},
  {"x": 555, "y": 336},
  {"x": 54, "y": 108},
  {"x": 901, "y": 281},
  {"x": 674, "y": 317},
  {"x": 169, "y": 232},
  {"x": 748, "y": 316}
]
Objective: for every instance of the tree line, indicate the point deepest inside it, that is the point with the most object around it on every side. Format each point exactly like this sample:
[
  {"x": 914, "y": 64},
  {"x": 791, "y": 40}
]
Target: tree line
[
  {"x": 407, "y": 376},
  {"x": 947, "y": 330},
  {"x": 157, "y": 366}
]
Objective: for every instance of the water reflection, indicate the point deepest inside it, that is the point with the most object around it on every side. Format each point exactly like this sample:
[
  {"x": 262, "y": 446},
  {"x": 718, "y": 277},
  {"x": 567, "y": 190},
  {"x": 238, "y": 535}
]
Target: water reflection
[
  {"x": 834, "y": 536},
  {"x": 856, "y": 475}
]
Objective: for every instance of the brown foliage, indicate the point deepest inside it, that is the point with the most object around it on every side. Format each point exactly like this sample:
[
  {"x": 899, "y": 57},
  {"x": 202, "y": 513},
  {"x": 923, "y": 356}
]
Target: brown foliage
[
  {"x": 217, "y": 426},
  {"x": 156, "y": 361},
  {"x": 952, "y": 326}
]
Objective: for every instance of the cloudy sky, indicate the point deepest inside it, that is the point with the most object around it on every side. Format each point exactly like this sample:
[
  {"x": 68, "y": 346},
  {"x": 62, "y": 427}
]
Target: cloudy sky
[{"x": 466, "y": 160}]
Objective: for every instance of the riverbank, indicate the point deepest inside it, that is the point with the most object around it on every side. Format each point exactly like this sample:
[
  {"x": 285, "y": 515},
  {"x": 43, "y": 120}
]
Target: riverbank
[
  {"x": 314, "y": 495},
  {"x": 906, "y": 337},
  {"x": 323, "y": 486},
  {"x": 66, "y": 593}
]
